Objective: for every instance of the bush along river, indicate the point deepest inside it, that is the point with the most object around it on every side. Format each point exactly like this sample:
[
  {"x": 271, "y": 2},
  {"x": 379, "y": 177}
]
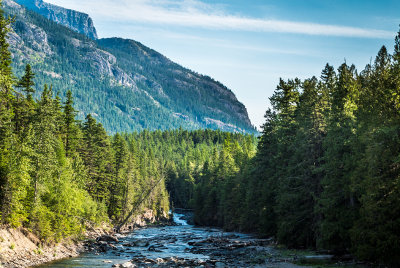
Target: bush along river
[{"x": 183, "y": 245}]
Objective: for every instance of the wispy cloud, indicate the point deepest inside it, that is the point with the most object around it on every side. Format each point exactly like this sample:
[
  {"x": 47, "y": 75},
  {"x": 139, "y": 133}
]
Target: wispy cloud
[
  {"x": 223, "y": 43},
  {"x": 194, "y": 13}
]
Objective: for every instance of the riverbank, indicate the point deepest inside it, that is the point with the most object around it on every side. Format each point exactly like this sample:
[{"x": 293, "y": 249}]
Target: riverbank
[{"x": 21, "y": 248}]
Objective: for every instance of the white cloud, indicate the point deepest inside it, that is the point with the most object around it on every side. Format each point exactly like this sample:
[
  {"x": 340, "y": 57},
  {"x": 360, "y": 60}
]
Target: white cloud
[
  {"x": 194, "y": 13},
  {"x": 224, "y": 43}
]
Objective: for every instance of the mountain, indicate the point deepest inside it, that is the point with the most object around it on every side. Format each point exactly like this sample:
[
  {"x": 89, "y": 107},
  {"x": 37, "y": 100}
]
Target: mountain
[
  {"x": 125, "y": 85},
  {"x": 72, "y": 19}
]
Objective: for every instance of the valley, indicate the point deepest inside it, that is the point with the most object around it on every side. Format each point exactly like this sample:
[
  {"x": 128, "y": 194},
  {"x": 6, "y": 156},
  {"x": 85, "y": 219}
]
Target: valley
[{"x": 101, "y": 139}]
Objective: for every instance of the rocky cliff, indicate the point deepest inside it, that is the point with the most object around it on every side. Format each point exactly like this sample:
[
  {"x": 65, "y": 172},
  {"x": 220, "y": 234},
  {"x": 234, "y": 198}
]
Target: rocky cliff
[{"x": 72, "y": 19}]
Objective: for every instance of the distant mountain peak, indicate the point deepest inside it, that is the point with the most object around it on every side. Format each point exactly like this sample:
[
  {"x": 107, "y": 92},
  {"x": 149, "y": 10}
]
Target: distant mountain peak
[{"x": 77, "y": 21}]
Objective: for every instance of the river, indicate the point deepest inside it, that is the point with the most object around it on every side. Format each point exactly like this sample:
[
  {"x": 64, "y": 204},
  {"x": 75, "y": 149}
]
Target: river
[{"x": 182, "y": 245}]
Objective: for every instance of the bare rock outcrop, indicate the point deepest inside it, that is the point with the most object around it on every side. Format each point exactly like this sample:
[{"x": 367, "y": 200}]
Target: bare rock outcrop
[
  {"x": 74, "y": 20},
  {"x": 21, "y": 248}
]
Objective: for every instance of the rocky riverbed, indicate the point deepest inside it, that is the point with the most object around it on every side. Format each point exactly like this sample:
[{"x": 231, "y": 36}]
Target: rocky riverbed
[
  {"x": 184, "y": 245},
  {"x": 179, "y": 246},
  {"x": 217, "y": 250}
]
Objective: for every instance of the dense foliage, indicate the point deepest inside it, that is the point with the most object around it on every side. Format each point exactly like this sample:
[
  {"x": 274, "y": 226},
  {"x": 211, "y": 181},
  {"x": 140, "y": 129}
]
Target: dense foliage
[
  {"x": 58, "y": 175},
  {"x": 189, "y": 156},
  {"x": 327, "y": 171}
]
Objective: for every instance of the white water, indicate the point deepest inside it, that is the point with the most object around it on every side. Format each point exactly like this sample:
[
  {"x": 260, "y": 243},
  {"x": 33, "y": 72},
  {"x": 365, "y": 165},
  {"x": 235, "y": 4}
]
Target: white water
[{"x": 178, "y": 219}]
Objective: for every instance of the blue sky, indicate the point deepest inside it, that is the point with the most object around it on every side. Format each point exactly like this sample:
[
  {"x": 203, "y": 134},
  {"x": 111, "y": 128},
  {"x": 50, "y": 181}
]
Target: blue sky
[{"x": 249, "y": 45}]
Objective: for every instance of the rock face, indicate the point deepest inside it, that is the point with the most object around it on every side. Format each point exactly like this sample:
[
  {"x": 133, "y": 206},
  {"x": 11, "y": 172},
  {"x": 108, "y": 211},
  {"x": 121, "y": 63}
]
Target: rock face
[
  {"x": 21, "y": 248},
  {"x": 143, "y": 219},
  {"x": 72, "y": 19}
]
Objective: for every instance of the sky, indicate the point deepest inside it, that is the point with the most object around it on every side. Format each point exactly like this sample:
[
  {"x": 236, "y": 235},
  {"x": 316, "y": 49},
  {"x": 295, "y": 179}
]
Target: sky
[{"x": 248, "y": 45}]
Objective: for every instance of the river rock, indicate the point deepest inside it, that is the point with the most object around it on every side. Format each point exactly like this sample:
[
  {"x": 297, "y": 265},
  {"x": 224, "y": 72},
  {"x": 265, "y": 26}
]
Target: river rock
[
  {"x": 128, "y": 265},
  {"x": 103, "y": 248},
  {"x": 147, "y": 260},
  {"x": 107, "y": 238},
  {"x": 160, "y": 260},
  {"x": 125, "y": 265}
]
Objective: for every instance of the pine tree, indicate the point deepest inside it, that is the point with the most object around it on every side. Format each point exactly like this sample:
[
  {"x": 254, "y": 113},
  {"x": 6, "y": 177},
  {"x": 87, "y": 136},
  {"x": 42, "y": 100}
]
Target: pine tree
[
  {"x": 70, "y": 128},
  {"x": 338, "y": 202},
  {"x": 26, "y": 82},
  {"x": 300, "y": 188},
  {"x": 262, "y": 184},
  {"x": 375, "y": 232},
  {"x": 6, "y": 115},
  {"x": 96, "y": 155},
  {"x": 24, "y": 107},
  {"x": 45, "y": 143},
  {"x": 120, "y": 178}
]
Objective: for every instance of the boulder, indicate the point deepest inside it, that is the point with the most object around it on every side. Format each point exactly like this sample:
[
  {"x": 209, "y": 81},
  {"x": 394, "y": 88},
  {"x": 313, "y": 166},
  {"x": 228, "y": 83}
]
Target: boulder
[
  {"x": 107, "y": 238},
  {"x": 128, "y": 265}
]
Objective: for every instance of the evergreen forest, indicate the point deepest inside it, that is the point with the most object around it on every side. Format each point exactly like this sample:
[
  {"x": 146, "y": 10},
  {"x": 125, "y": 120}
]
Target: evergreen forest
[
  {"x": 324, "y": 173},
  {"x": 58, "y": 174}
]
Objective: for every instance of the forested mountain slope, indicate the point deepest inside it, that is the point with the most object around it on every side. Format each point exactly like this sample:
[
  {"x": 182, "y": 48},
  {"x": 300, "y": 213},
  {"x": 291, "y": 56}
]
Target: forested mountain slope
[{"x": 122, "y": 83}]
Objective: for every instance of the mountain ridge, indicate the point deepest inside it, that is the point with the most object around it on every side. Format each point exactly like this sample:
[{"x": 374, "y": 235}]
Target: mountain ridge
[{"x": 124, "y": 84}]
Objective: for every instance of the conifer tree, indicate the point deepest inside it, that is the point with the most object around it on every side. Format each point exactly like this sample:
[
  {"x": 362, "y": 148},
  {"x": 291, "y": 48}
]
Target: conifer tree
[
  {"x": 24, "y": 107},
  {"x": 261, "y": 197},
  {"x": 6, "y": 115},
  {"x": 45, "y": 157},
  {"x": 69, "y": 126},
  {"x": 338, "y": 201},
  {"x": 374, "y": 232},
  {"x": 26, "y": 82},
  {"x": 120, "y": 177},
  {"x": 96, "y": 155}
]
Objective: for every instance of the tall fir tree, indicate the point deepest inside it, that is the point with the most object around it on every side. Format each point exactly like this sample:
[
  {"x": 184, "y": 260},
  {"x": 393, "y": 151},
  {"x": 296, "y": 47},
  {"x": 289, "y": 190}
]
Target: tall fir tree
[
  {"x": 7, "y": 137},
  {"x": 70, "y": 128}
]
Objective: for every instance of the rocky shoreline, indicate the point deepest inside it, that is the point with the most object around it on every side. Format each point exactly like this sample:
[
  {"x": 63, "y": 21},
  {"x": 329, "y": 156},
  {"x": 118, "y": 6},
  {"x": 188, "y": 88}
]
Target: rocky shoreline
[{"x": 20, "y": 248}]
